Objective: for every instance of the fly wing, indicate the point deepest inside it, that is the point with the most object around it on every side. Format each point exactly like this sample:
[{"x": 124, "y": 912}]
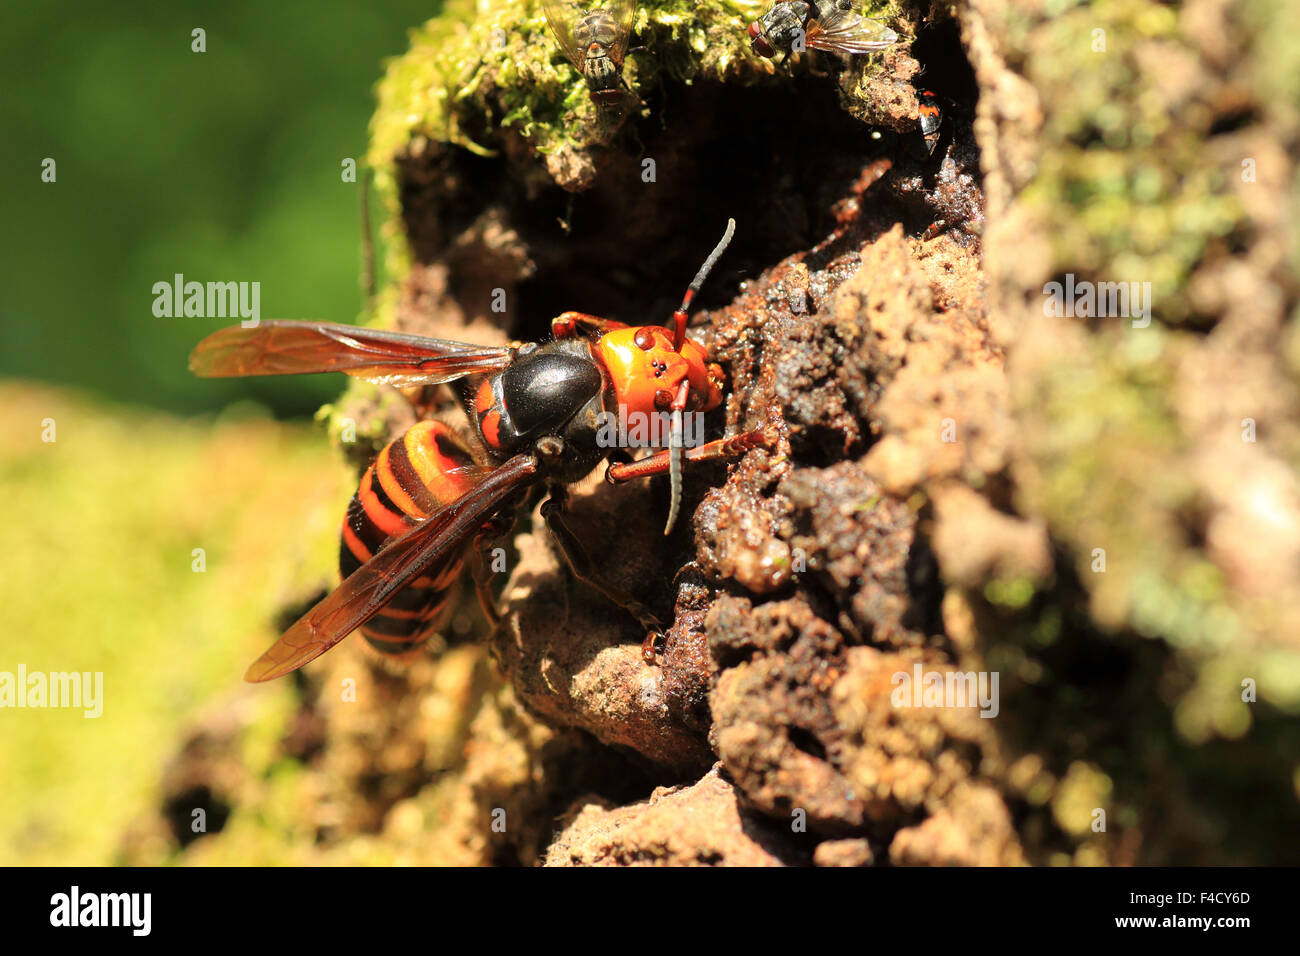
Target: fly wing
[
  {"x": 366, "y": 591},
  {"x": 562, "y": 16},
  {"x": 623, "y": 12},
  {"x": 847, "y": 31},
  {"x": 299, "y": 348}
]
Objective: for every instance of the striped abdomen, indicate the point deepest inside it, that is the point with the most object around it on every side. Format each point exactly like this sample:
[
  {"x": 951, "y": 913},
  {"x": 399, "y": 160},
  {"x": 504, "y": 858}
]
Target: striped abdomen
[{"x": 412, "y": 477}]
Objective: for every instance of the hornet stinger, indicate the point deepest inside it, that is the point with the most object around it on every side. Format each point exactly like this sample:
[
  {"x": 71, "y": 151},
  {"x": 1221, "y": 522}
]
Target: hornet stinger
[{"x": 431, "y": 498}]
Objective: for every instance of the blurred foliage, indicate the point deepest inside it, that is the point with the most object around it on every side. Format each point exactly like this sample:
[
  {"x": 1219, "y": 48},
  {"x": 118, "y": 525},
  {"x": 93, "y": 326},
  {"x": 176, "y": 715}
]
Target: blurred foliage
[
  {"x": 223, "y": 165},
  {"x": 115, "y": 508}
]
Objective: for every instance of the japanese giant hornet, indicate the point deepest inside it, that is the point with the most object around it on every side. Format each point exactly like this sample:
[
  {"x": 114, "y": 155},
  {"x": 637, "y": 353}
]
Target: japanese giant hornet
[
  {"x": 831, "y": 25},
  {"x": 535, "y": 411},
  {"x": 595, "y": 41}
]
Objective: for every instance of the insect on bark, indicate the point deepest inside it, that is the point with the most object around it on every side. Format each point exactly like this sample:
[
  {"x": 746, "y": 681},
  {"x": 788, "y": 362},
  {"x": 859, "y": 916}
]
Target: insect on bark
[
  {"x": 931, "y": 119},
  {"x": 834, "y": 26},
  {"x": 595, "y": 41},
  {"x": 433, "y": 502}
]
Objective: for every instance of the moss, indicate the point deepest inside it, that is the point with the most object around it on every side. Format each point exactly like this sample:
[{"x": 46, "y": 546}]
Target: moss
[
  {"x": 358, "y": 423},
  {"x": 1104, "y": 440},
  {"x": 1127, "y": 171},
  {"x": 1013, "y": 592},
  {"x": 477, "y": 70},
  {"x": 1084, "y": 790},
  {"x": 1135, "y": 187}
]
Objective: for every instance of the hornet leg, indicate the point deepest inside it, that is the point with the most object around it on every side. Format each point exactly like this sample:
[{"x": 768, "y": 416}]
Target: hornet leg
[
  {"x": 481, "y": 566},
  {"x": 579, "y": 562},
  {"x": 660, "y": 462},
  {"x": 571, "y": 323}
]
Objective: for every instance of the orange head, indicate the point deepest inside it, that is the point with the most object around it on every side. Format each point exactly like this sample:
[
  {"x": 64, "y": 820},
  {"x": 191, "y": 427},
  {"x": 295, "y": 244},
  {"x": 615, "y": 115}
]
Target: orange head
[{"x": 646, "y": 371}]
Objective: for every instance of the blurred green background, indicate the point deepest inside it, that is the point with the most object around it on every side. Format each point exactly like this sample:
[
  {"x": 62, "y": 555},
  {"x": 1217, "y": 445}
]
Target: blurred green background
[{"x": 223, "y": 166}]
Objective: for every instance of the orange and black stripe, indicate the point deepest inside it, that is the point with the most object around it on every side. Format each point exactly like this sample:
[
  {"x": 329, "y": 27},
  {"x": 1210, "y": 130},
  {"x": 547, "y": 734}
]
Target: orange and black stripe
[
  {"x": 931, "y": 118},
  {"x": 487, "y": 407},
  {"x": 412, "y": 477}
]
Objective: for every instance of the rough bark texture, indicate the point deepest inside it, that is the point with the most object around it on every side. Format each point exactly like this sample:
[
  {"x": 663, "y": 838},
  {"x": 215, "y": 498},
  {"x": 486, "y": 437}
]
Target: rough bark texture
[{"x": 1102, "y": 513}]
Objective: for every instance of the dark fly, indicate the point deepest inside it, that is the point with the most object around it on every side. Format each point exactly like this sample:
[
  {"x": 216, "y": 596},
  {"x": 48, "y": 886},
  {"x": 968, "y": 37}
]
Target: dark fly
[{"x": 835, "y": 26}]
